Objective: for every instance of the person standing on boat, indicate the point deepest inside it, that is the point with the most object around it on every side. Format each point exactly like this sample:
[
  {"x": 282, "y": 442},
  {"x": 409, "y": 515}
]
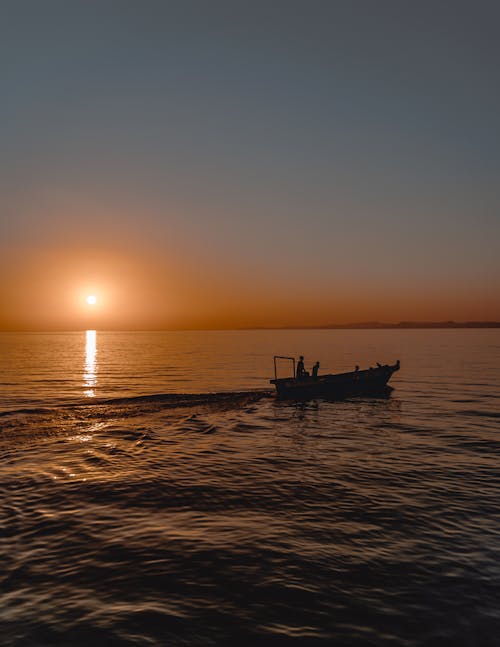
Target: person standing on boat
[
  {"x": 300, "y": 368},
  {"x": 315, "y": 369}
]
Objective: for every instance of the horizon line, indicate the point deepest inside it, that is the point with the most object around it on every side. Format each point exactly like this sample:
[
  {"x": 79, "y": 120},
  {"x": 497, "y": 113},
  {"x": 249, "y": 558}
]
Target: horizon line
[{"x": 367, "y": 325}]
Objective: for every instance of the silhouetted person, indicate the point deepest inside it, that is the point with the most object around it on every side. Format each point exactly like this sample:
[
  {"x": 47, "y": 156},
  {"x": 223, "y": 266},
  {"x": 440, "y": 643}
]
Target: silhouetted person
[
  {"x": 357, "y": 368},
  {"x": 300, "y": 368},
  {"x": 315, "y": 369}
]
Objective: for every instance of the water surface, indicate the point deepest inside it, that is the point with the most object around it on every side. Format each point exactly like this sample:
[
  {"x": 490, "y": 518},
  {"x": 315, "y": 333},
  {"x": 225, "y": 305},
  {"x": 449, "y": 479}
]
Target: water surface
[{"x": 133, "y": 516}]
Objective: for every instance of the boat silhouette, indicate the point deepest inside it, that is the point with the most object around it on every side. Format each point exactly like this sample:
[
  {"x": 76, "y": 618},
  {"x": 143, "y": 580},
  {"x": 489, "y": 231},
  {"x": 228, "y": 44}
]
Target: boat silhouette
[{"x": 370, "y": 381}]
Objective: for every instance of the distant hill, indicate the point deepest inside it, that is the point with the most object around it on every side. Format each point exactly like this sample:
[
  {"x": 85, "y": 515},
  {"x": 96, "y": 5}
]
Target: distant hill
[{"x": 370, "y": 325}]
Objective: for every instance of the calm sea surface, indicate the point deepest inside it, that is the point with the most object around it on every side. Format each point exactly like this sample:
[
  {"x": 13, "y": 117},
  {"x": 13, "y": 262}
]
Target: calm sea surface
[{"x": 132, "y": 515}]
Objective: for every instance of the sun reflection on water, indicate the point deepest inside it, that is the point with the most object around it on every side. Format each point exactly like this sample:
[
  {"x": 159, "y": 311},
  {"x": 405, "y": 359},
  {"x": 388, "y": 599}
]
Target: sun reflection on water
[{"x": 90, "y": 367}]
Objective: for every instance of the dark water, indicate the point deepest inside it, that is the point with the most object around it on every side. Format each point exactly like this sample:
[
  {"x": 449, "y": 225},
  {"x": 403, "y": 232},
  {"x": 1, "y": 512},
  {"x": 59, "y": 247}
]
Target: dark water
[{"x": 133, "y": 516}]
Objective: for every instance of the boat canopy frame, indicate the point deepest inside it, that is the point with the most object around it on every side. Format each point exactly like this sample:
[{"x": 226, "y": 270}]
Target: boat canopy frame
[{"x": 292, "y": 359}]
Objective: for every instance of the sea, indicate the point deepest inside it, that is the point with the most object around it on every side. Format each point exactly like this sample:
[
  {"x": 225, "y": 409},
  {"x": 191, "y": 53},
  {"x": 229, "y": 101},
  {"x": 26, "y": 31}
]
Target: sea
[{"x": 155, "y": 492}]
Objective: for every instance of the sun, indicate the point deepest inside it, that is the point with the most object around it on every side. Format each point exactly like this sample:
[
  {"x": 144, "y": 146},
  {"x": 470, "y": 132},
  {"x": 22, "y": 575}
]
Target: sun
[{"x": 91, "y": 300}]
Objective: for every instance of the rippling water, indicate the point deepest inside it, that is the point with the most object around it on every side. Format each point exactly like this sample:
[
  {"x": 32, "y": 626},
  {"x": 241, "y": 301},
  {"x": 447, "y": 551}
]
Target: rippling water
[{"x": 132, "y": 515}]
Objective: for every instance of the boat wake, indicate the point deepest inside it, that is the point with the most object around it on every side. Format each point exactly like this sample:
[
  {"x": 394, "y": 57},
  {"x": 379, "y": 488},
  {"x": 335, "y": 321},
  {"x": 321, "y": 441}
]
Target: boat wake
[
  {"x": 188, "y": 399},
  {"x": 37, "y": 421}
]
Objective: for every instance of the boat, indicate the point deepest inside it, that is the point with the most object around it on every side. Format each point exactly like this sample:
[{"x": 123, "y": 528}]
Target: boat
[{"x": 370, "y": 381}]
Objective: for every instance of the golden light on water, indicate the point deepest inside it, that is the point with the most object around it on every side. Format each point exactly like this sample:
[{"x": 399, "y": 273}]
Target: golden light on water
[{"x": 90, "y": 366}]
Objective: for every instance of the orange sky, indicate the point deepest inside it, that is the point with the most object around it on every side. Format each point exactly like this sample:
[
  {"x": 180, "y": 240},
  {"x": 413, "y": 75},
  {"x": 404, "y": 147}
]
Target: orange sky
[{"x": 47, "y": 290}]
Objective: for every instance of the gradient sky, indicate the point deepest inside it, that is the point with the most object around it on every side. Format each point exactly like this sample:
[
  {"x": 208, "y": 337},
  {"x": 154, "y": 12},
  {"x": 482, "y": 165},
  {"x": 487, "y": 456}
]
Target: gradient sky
[{"x": 218, "y": 164}]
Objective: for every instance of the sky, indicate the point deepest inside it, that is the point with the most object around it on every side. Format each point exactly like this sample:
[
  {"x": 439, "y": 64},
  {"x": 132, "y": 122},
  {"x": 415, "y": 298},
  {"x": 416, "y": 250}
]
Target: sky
[{"x": 240, "y": 164}]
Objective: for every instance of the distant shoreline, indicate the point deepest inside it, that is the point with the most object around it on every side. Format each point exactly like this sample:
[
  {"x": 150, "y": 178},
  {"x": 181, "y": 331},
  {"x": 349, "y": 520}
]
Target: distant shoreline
[
  {"x": 378, "y": 325},
  {"x": 408, "y": 325}
]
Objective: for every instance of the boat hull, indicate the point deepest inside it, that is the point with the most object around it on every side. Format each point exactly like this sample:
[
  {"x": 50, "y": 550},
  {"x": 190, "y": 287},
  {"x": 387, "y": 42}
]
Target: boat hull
[{"x": 372, "y": 381}]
